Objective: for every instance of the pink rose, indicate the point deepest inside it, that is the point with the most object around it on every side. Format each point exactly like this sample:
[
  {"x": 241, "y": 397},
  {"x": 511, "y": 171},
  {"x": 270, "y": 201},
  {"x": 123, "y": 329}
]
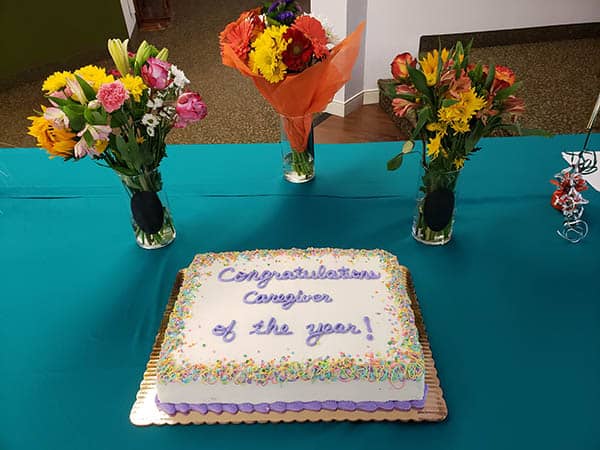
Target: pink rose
[
  {"x": 400, "y": 63},
  {"x": 112, "y": 95},
  {"x": 190, "y": 108},
  {"x": 155, "y": 73}
]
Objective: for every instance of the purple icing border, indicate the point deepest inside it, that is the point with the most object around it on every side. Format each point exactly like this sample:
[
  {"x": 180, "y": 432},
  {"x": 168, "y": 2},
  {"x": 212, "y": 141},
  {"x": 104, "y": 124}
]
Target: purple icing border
[{"x": 329, "y": 405}]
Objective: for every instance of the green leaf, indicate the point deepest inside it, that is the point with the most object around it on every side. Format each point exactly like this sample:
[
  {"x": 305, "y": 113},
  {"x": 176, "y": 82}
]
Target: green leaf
[
  {"x": 504, "y": 93},
  {"x": 395, "y": 162},
  {"x": 75, "y": 115},
  {"x": 490, "y": 77},
  {"x": 408, "y": 97},
  {"x": 88, "y": 138},
  {"x": 59, "y": 101},
  {"x": 408, "y": 147},
  {"x": 420, "y": 82},
  {"x": 121, "y": 145},
  {"x": 89, "y": 92},
  {"x": 424, "y": 116},
  {"x": 389, "y": 89},
  {"x": 449, "y": 102}
]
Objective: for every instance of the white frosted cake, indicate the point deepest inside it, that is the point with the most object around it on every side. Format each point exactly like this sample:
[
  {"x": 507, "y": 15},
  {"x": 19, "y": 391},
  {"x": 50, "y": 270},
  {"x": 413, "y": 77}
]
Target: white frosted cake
[{"x": 291, "y": 330}]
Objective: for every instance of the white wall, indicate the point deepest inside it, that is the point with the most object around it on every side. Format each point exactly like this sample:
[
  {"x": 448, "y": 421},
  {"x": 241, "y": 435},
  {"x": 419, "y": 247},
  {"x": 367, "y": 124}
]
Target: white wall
[
  {"x": 395, "y": 26},
  {"x": 128, "y": 15}
]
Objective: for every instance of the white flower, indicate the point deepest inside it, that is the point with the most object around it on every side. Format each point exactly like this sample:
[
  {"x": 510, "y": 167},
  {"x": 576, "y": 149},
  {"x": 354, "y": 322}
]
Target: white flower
[
  {"x": 150, "y": 120},
  {"x": 156, "y": 103},
  {"x": 179, "y": 77},
  {"x": 150, "y": 131},
  {"x": 94, "y": 104}
]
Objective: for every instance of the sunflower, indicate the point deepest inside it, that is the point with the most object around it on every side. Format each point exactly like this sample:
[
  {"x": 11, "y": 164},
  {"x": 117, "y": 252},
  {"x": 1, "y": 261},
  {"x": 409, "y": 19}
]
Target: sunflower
[{"x": 57, "y": 141}]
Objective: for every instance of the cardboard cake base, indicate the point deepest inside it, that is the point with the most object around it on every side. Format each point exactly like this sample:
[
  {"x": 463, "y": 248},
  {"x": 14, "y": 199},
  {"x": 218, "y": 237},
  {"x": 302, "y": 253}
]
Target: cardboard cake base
[{"x": 145, "y": 412}]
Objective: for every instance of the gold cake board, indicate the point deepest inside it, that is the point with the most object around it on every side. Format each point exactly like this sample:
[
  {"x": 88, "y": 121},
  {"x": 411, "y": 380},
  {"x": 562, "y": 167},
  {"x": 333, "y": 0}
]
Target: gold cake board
[{"x": 145, "y": 412}]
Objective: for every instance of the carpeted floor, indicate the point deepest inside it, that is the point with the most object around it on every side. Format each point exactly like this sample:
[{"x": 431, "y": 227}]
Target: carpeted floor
[{"x": 562, "y": 80}]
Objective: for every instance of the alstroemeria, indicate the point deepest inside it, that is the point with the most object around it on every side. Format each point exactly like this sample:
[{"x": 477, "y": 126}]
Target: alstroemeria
[
  {"x": 57, "y": 117},
  {"x": 118, "y": 52},
  {"x": 514, "y": 106},
  {"x": 57, "y": 94},
  {"x": 82, "y": 148},
  {"x": 97, "y": 132},
  {"x": 401, "y": 105},
  {"x": 75, "y": 91}
]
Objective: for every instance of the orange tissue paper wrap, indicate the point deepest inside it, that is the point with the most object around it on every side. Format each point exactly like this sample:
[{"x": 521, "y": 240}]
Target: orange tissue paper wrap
[{"x": 300, "y": 95}]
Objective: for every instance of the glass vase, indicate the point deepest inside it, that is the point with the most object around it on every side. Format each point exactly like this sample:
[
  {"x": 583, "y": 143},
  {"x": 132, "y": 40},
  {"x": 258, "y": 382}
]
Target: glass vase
[
  {"x": 436, "y": 202},
  {"x": 150, "y": 215},
  {"x": 298, "y": 148}
]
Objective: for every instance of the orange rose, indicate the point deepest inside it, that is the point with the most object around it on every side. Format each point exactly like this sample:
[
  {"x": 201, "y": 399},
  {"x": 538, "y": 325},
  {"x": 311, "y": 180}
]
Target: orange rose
[{"x": 400, "y": 63}]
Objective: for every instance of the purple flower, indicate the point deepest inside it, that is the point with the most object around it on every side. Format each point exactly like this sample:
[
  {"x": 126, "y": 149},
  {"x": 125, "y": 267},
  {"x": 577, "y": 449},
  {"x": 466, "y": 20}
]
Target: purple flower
[{"x": 286, "y": 17}]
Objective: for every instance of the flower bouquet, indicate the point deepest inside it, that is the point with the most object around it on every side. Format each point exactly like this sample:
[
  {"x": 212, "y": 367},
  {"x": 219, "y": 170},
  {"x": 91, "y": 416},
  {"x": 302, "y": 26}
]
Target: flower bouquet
[
  {"x": 295, "y": 64},
  {"x": 451, "y": 104},
  {"x": 120, "y": 119}
]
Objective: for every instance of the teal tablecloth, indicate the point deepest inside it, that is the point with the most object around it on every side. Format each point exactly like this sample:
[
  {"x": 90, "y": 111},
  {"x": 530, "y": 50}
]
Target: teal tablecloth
[{"x": 512, "y": 310}]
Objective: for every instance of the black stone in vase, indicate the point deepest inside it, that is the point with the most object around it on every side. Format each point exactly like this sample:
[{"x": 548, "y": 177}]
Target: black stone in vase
[
  {"x": 147, "y": 211},
  {"x": 438, "y": 208}
]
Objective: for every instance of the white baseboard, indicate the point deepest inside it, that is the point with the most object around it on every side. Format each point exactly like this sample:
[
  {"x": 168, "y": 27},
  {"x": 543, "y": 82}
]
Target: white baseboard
[{"x": 342, "y": 109}]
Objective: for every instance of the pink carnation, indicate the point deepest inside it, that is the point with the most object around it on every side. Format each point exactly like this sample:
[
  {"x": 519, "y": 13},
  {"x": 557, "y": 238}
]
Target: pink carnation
[{"x": 112, "y": 95}]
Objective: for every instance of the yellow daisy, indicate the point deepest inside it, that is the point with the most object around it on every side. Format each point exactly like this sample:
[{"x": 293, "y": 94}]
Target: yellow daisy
[
  {"x": 95, "y": 76},
  {"x": 134, "y": 85},
  {"x": 56, "y": 81}
]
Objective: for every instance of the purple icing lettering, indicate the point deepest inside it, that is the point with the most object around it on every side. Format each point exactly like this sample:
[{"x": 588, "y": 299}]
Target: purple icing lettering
[
  {"x": 257, "y": 327},
  {"x": 222, "y": 272},
  {"x": 247, "y": 300},
  {"x": 263, "y": 278},
  {"x": 272, "y": 327},
  {"x": 316, "y": 331},
  {"x": 226, "y": 333},
  {"x": 369, "y": 329},
  {"x": 332, "y": 275},
  {"x": 322, "y": 272}
]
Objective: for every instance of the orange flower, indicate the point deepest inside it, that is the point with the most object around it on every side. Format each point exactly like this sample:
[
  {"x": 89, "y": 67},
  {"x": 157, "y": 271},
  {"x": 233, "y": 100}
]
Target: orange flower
[
  {"x": 505, "y": 74},
  {"x": 314, "y": 31},
  {"x": 401, "y": 105},
  {"x": 400, "y": 63},
  {"x": 239, "y": 34}
]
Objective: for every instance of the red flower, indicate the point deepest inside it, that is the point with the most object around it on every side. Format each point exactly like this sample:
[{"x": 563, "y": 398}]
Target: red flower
[
  {"x": 299, "y": 51},
  {"x": 314, "y": 31}
]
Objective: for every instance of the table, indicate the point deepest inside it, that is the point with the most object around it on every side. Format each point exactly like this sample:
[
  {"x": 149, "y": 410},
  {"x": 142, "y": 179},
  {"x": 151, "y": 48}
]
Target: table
[{"x": 512, "y": 310}]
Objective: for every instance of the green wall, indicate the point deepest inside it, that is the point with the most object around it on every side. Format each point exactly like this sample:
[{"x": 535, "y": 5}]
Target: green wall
[{"x": 42, "y": 34}]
